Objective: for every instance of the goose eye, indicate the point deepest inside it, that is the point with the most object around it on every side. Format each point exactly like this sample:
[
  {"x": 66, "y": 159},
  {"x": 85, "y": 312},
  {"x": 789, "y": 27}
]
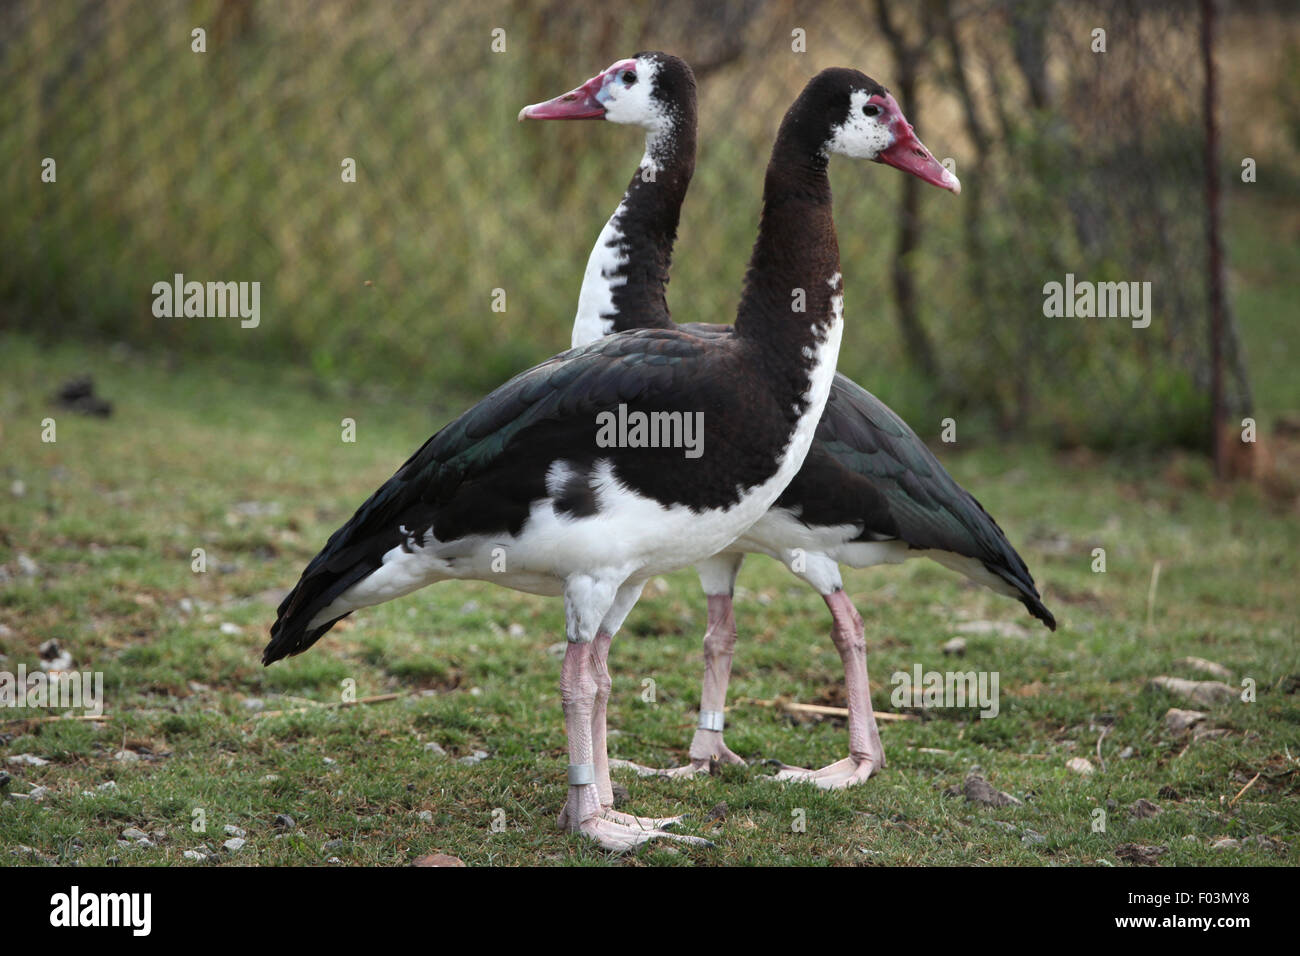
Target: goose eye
[
  {"x": 870, "y": 110},
  {"x": 629, "y": 77}
]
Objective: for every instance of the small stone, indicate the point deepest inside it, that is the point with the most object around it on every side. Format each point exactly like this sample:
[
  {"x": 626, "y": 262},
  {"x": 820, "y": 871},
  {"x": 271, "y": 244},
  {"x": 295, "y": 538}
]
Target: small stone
[
  {"x": 194, "y": 855},
  {"x": 1265, "y": 842},
  {"x": 329, "y": 846},
  {"x": 334, "y": 861},
  {"x": 1226, "y": 843},
  {"x": 38, "y": 793},
  {"x": 435, "y": 748},
  {"x": 27, "y": 760},
  {"x": 1143, "y": 808},
  {"x": 515, "y": 629},
  {"x": 1205, "y": 667},
  {"x": 478, "y": 756},
  {"x": 126, "y": 756},
  {"x": 425, "y": 816},
  {"x": 235, "y": 845},
  {"x": 59, "y": 664},
  {"x": 328, "y": 761},
  {"x": 284, "y": 822},
  {"x": 107, "y": 785},
  {"x": 978, "y": 790},
  {"x": 956, "y": 646},
  {"x": 1179, "y": 722},
  {"x": 1203, "y": 692},
  {"x": 438, "y": 859},
  {"x": 1033, "y": 838},
  {"x": 1126, "y": 753},
  {"x": 17, "y": 488},
  {"x": 1081, "y": 765},
  {"x": 469, "y": 607},
  {"x": 233, "y": 831},
  {"x": 27, "y": 566},
  {"x": 134, "y": 833},
  {"x": 228, "y": 628},
  {"x": 1140, "y": 853},
  {"x": 270, "y": 778}
]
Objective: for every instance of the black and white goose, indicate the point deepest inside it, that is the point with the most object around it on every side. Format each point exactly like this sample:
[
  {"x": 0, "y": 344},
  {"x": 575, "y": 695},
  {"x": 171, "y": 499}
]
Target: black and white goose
[
  {"x": 523, "y": 473},
  {"x": 870, "y": 491}
]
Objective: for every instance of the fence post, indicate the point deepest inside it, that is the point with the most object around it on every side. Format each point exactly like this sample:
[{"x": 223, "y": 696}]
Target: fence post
[{"x": 1215, "y": 247}]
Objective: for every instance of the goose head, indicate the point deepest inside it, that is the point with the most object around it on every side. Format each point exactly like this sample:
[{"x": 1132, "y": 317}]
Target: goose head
[
  {"x": 847, "y": 113},
  {"x": 651, "y": 90}
]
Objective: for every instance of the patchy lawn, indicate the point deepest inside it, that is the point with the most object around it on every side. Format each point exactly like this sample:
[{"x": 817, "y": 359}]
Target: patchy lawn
[{"x": 97, "y": 537}]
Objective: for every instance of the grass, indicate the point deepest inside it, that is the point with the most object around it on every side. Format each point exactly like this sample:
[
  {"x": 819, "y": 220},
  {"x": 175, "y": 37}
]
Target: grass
[{"x": 250, "y": 467}]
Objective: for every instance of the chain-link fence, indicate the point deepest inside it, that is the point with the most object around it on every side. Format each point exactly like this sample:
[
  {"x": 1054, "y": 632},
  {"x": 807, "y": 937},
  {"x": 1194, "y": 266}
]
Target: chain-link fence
[{"x": 221, "y": 155}]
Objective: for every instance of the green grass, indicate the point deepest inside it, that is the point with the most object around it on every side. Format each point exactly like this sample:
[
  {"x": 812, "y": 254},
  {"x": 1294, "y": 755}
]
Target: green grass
[{"x": 251, "y": 468}]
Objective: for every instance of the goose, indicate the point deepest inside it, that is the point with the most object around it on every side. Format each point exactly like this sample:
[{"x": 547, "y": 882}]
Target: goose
[
  {"x": 520, "y": 490},
  {"x": 869, "y": 492}
]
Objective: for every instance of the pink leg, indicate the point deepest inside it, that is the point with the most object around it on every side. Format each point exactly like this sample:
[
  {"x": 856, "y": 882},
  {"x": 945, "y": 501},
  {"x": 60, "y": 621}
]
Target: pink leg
[
  {"x": 866, "y": 753},
  {"x": 719, "y": 648},
  {"x": 578, "y": 692},
  {"x": 604, "y": 786},
  {"x": 708, "y": 745},
  {"x": 582, "y": 812},
  {"x": 599, "y": 736}
]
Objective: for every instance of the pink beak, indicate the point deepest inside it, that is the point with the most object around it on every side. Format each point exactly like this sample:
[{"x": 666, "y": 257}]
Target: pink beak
[
  {"x": 910, "y": 155},
  {"x": 573, "y": 105}
]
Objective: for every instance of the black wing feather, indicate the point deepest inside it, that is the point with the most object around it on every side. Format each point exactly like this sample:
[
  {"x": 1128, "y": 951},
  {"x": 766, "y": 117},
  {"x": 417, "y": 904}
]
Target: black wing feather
[
  {"x": 867, "y": 466},
  {"x": 458, "y": 483}
]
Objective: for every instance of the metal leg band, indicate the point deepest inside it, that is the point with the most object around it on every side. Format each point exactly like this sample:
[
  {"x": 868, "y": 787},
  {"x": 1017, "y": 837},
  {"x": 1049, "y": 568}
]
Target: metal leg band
[
  {"x": 711, "y": 720},
  {"x": 581, "y": 773}
]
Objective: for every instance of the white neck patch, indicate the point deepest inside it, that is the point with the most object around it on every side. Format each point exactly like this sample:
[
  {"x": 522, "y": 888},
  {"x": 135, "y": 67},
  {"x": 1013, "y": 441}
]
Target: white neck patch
[
  {"x": 635, "y": 104},
  {"x": 861, "y": 136},
  {"x": 595, "y": 317}
]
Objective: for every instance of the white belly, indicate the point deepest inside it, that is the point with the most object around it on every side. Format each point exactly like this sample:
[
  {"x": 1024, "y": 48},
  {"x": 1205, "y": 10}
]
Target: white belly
[{"x": 629, "y": 538}]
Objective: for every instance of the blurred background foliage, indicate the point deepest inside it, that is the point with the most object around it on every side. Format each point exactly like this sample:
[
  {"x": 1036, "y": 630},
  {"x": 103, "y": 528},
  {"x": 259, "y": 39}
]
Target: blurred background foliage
[{"x": 225, "y": 165}]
